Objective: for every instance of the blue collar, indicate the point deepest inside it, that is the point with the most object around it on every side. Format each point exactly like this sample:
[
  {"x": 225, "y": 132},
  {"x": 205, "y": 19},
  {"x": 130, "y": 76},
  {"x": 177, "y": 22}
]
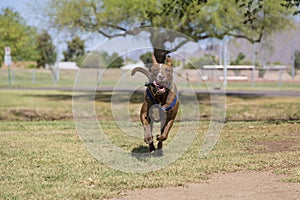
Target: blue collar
[{"x": 155, "y": 102}]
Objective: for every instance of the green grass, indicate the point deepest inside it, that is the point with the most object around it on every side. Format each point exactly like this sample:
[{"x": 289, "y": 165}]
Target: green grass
[
  {"x": 47, "y": 160},
  {"x": 22, "y": 78},
  {"x": 42, "y": 156},
  {"x": 34, "y": 105}
]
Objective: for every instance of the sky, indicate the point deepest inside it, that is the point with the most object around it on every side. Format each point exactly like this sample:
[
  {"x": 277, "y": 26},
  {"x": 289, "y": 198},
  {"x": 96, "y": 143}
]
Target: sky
[
  {"x": 122, "y": 45},
  {"x": 26, "y": 8},
  {"x": 23, "y": 7}
]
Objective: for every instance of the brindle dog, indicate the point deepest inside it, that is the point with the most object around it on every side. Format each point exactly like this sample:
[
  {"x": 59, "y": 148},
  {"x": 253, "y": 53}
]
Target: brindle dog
[{"x": 160, "y": 97}]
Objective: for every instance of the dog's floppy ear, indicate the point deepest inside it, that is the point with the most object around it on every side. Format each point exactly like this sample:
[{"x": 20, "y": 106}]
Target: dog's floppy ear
[
  {"x": 169, "y": 61},
  {"x": 154, "y": 59}
]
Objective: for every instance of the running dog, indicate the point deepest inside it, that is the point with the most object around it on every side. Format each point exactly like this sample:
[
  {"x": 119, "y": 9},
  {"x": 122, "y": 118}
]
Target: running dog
[{"x": 160, "y": 101}]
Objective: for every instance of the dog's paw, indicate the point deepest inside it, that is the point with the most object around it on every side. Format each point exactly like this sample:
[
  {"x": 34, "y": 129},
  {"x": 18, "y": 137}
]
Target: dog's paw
[
  {"x": 148, "y": 140},
  {"x": 151, "y": 148},
  {"x": 161, "y": 138}
]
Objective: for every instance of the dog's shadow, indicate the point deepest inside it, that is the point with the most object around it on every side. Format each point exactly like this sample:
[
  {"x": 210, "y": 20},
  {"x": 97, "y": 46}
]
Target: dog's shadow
[
  {"x": 142, "y": 153},
  {"x": 140, "y": 150}
]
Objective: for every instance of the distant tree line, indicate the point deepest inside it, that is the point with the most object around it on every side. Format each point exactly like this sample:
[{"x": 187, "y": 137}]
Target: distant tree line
[
  {"x": 28, "y": 44},
  {"x": 197, "y": 19}
]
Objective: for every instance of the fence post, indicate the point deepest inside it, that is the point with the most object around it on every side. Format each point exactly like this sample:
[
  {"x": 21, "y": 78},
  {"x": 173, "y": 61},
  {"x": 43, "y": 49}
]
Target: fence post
[
  {"x": 280, "y": 77},
  {"x": 33, "y": 76},
  {"x": 225, "y": 62},
  {"x": 9, "y": 78}
]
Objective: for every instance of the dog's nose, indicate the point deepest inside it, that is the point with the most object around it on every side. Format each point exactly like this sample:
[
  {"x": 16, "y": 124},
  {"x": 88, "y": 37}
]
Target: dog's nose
[{"x": 160, "y": 76}]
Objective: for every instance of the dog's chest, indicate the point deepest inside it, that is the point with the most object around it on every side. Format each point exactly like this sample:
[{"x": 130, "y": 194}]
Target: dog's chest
[
  {"x": 157, "y": 98},
  {"x": 161, "y": 99}
]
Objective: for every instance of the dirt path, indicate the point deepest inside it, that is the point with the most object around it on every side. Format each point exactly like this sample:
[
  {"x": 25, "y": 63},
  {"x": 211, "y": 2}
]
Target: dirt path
[{"x": 239, "y": 186}]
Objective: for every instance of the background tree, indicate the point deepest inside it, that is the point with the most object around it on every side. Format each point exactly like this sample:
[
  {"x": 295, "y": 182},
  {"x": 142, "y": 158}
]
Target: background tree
[
  {"x": 96, "y": 59},
  {"x": 46, "y": 49},
  {"x": 197, "y": 62},
  {"x": 238, "y": 61},
  {"x": 17, "y": 35},
  {"x": 198, "y": 19},
  {"x": 146, "y": 58},
  {"x": 75, "y": 49},
  {"x": 292, "y": 4},
  {"x": 115, "y": 61}
]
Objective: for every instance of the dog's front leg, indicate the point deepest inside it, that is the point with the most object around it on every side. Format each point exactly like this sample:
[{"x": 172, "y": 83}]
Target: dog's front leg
[
  {"x": 148, "y": 138},
  {"x": 165, "y": 131},
  {"x": 146, "y": 121}
]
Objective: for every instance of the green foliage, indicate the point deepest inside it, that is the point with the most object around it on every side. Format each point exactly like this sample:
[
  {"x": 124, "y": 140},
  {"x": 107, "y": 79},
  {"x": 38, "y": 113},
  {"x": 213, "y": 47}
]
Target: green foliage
[
  {"x": 31, "y": 66},
  {"x": 91, "y": 60},
  {"x": 146, "y": 58},
  {"x": 115, "y": 61},
  {"x": 293, "y": 5},
  {"x": 277, "y": 63},
  {"x": 97, "y": 59},
  {"x": 46, "y": 49},
  {"x": 14, "y": 33},
  {"x": 198, "y": 63},
  {"x": 74, "y": 50},
  {"x": 240, "y": 57},
  {"x": 198, "y": 19},
  {"x": 238, "y": 61}
]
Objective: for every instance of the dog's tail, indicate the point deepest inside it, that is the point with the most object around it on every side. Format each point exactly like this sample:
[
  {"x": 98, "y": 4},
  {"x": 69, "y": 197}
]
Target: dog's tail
[{"x": 142, "y": 70}]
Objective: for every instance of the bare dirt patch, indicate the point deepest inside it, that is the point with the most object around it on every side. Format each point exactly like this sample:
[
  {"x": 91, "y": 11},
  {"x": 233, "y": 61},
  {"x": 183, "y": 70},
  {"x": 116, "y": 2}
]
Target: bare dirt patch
[
  {"x": 291, "y": 144},
  {"x": 231, "y": 186},
  {"x": 277, "y": 146},
  {"x": 26, "y": 114}
]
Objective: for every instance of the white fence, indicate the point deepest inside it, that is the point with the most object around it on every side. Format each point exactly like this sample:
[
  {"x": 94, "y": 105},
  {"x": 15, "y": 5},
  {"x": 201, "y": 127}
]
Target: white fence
[{"x": 44, "y": 77}]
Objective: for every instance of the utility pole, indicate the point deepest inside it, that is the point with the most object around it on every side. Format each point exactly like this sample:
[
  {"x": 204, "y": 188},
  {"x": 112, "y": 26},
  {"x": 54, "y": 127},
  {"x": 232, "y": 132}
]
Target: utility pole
[
  {"x": 225, "y": 61},
  {"x": 7, "y": 60},
  {"x": 254, "y": 61},
  {"x": 293, "y": 61}
]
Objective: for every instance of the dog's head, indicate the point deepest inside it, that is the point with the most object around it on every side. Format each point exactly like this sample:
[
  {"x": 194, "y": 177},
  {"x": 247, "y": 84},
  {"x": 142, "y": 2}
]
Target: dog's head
[{"x": 162, "y": 75}]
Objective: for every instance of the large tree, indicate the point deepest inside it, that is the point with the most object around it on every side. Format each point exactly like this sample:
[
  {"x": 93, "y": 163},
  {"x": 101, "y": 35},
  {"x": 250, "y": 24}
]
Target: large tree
[
  {"x": 15, "y": 34},
  {"x": 198, "y": 19},
  {"x": 75, "y": 49},
  {"x": 46, "y": 49}
]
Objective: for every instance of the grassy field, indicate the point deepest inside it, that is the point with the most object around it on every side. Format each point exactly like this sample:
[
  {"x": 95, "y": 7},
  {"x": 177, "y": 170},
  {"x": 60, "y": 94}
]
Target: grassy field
[
  {"x": 36, "y": 105},
  {"x": 42, "y": 156}
]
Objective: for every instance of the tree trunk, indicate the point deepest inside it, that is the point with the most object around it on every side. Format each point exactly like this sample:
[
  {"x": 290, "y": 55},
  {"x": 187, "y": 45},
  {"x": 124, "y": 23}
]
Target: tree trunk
[{"x": 160, "y": 55}]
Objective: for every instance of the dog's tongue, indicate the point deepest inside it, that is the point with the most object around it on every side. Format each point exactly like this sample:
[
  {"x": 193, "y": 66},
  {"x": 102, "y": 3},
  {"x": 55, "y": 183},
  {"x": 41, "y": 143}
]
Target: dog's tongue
[{"x": 160, "y": 88}]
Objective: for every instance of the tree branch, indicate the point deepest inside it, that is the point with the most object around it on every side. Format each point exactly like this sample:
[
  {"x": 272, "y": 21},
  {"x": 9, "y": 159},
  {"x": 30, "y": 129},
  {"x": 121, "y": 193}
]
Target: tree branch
[{"x": 179, "y": 45}]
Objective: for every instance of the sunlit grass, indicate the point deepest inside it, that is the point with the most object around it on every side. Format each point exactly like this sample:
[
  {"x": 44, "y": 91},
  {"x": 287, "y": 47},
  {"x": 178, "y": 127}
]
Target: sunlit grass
[
  {"x": 43, "y": 157},
  {"x": 48, "y": 160},
  {"x": 33, "y": 105}
]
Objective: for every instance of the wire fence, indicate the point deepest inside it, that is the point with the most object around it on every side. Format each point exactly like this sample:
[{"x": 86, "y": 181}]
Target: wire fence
[
  {"x": 23, "y": 78},
  {"x": 37, "y": 78}
]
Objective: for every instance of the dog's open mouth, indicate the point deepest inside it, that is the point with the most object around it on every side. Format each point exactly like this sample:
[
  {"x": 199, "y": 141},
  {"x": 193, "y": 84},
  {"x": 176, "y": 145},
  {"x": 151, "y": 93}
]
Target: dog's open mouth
[{"x": 160, "y": 88}]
